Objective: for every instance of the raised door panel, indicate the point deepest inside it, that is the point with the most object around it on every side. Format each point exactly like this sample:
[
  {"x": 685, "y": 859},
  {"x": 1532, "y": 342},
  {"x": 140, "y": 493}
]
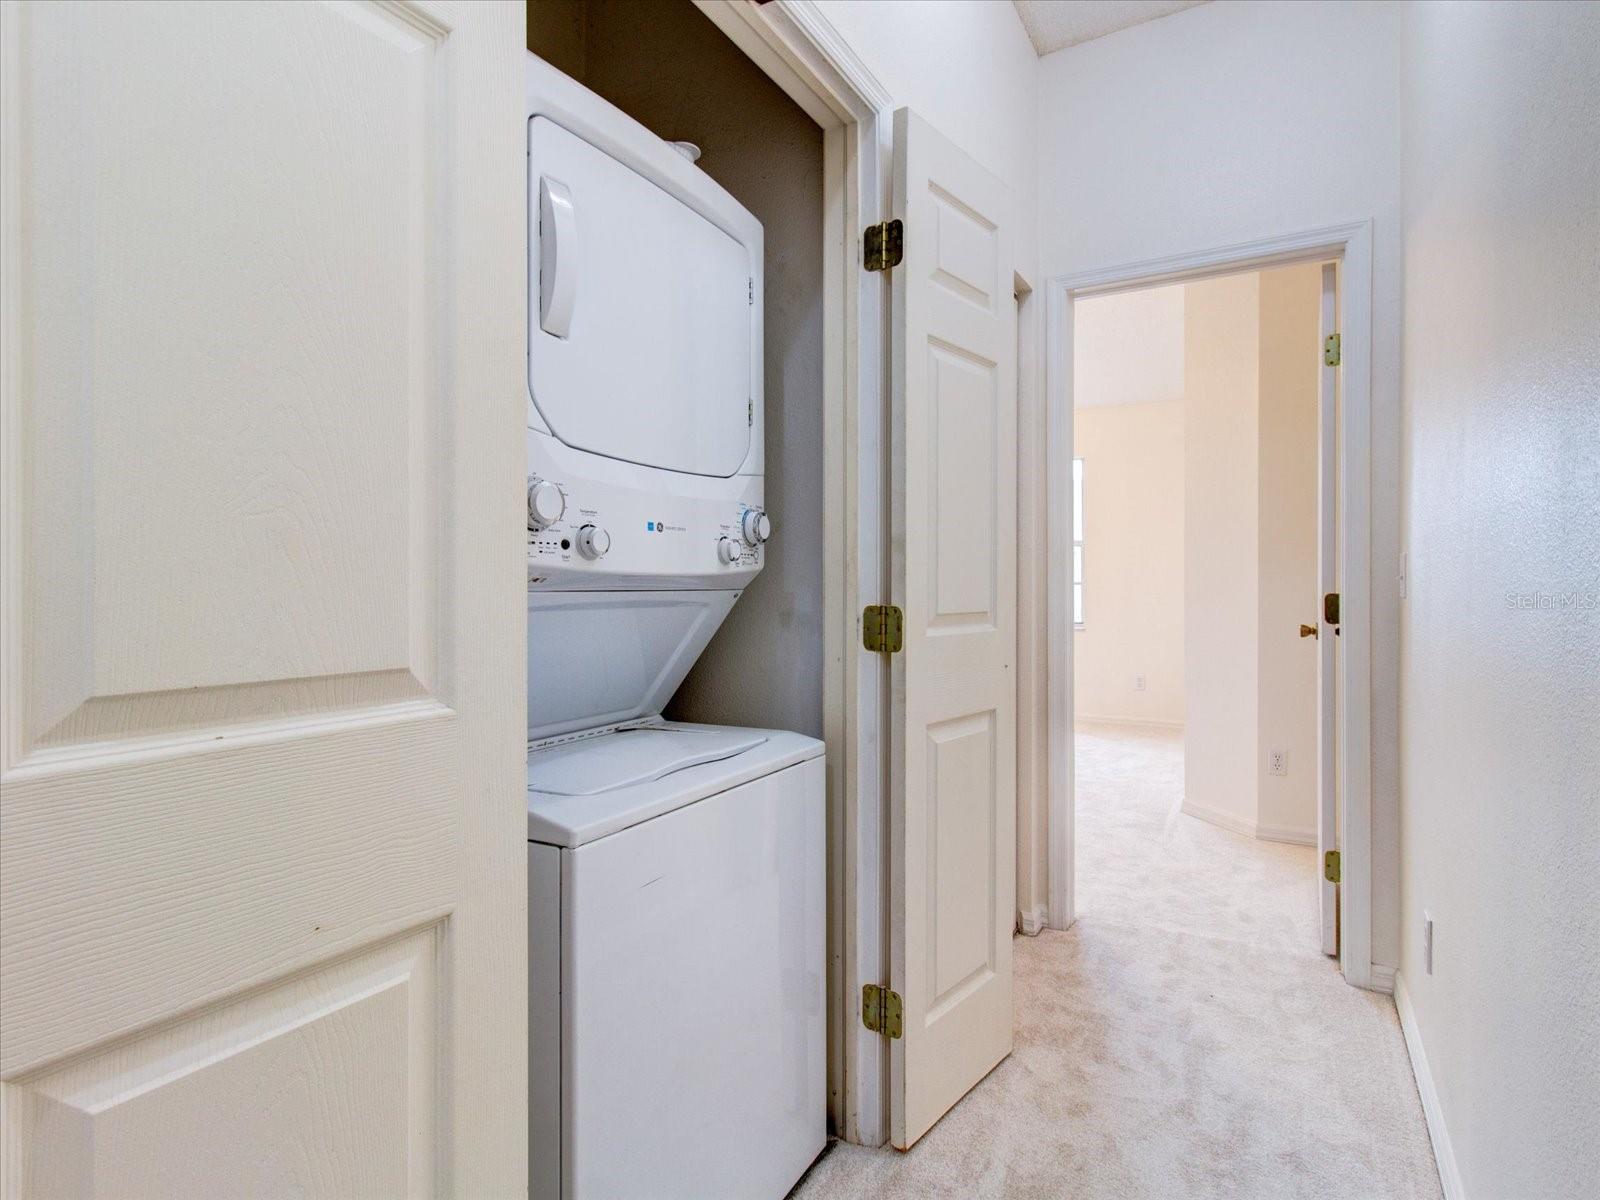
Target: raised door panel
[
  {"x": 962, "y": 952},
  {"x": 348, "y": 1055},
  {"x": 963, "y": 462},
  {"x": 229, "y": 345},
  {"x": 965, "y": 254},
  {"x": 139, "y": 888}
]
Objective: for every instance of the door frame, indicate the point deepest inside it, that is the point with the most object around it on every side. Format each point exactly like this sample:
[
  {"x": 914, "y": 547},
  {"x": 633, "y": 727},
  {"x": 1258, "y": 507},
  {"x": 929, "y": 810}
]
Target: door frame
[
  {"x": 800, "y": 50},
  {"x": 1351, "y": 245}
]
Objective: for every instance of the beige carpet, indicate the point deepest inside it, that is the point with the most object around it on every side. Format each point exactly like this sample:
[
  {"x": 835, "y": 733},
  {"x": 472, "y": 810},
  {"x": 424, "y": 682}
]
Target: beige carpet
[{"x": 1184, "y": 1038}]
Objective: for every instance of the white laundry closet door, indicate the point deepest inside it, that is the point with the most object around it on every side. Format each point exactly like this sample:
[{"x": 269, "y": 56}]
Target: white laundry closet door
[
  {"x": 953, "y": 716},
  {"x": 262, "y": 893}
]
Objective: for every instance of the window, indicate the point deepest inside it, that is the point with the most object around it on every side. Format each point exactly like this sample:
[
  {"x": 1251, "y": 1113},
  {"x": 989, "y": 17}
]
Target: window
[{"x": 1077, "y": 542}]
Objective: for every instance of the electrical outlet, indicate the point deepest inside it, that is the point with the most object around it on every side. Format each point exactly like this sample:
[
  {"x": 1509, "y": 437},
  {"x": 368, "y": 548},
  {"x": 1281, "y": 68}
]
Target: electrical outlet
[
  {"x": 1138, "y": 683},
  {"x": 1427, "y": 943},
  {"x": 1277, "y": 762}
]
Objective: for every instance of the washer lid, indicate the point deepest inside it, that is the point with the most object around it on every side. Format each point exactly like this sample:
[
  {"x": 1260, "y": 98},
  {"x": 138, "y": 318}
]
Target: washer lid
[
  {"x": 641, "y": 314},
  {"x": 620, "y": 758},
  {"x": 631, "y": 756}
]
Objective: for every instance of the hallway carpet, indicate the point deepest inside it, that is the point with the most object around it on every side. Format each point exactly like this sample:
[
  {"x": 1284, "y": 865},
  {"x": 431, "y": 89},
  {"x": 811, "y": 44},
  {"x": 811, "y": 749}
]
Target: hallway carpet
[{"x": 1184, "y": 1038}]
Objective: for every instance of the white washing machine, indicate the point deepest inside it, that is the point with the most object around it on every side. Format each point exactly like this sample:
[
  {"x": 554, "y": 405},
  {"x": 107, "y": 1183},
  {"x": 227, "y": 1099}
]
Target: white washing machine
[{"x": 676, "y": 872}]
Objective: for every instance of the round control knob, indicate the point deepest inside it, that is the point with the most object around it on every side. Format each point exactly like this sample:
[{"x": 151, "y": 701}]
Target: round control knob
[
  {"x": 593, "y": 542},
  {"x": 728, "y": 550},
  {"x": 545, "y": 504},
  {"x": 756, "y": 526}
]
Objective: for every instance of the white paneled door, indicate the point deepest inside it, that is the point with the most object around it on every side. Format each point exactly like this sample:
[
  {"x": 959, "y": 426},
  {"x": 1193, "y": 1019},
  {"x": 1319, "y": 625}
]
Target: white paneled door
[
  {"x": 262, "y": 850},
  {"x": 953, "y": 706}
]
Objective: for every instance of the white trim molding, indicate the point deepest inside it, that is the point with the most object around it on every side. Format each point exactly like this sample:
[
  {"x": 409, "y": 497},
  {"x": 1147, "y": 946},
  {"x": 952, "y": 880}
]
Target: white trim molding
[
  {"x": 831, "y": 60},
  {"x": 802, "y": 52},
  {"x": 1058, "y": 748},
  {"x": 1351, "y": 245},
  {"x": 1032, "y": 921},
  {"x": 1444, "y": 1155}
]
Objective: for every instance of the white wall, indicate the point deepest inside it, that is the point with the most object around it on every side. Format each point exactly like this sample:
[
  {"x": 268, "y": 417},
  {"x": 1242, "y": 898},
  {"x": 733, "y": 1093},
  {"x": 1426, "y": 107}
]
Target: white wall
[
  {"x": 1501, "y": 703},
  {"x": 1127, "y": 392},
  {"x": 1250, "y": 483},
  {"x": 1133, "y": 561},
  {"x": 1127, "y": 348},
  {"x": 1222, "y": 331},
  {"x": 1291, "y": 360},
  {"x": 1234, "y": 121}
]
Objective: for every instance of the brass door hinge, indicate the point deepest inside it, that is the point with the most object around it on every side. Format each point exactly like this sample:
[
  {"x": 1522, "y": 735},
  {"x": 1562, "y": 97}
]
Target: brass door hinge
[
  {"x": 883, "y": 245},
  {"x": 1330, "y": 608},
  {"x": 883, "y": 628},
  {"x": 1330, "y": 350},
  {"x": 1331, "y": 870},
  {"x": 881, "y": 1011}
]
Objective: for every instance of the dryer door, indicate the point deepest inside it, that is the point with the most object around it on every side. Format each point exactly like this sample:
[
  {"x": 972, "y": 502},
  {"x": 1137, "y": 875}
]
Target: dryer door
[{"x": 640, "y": 314}]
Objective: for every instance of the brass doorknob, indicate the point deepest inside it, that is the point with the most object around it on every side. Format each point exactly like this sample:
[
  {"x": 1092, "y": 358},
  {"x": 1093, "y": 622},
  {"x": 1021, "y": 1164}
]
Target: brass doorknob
[{"x": 1308, "y": 631}]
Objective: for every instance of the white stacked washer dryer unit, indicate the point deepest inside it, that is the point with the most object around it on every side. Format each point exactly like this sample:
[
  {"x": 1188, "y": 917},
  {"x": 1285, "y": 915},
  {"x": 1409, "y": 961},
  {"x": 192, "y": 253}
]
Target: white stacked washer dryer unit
[{"x": 676, "y": 872}]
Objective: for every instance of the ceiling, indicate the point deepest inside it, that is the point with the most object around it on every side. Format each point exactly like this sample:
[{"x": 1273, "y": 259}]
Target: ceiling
[
  {"x": 1127, "y": 348},
  {"x": 1056, "y": 24}
]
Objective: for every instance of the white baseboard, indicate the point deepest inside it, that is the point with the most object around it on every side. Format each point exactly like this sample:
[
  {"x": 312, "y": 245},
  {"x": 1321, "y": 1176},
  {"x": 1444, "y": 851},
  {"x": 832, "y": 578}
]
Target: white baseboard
[
  {"x": 1443, "y": 1156},
  {"x": 1135, "y": 722},
  {"x": 1286, "y": 833},
  {"x": 1032, "y": 922},
  {"x": 1249, "y": 828},
  {"x": 1381, "y": 979},
  {"x": 1215, "y": 816}
]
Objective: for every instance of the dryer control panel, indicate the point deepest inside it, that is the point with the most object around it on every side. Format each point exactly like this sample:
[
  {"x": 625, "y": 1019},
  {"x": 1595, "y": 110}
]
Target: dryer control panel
[{"x": 595, "y": 534}]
